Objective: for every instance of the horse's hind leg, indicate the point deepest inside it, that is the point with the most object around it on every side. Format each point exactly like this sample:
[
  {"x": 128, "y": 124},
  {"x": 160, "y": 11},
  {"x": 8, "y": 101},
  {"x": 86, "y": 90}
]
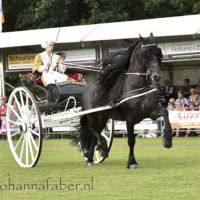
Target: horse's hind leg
[
  {"x": 96, "y": 125},
  {"x": 131, "y": 143},
  {"x": 90, "y": 154},
  {"x": 167, "y": 135}
]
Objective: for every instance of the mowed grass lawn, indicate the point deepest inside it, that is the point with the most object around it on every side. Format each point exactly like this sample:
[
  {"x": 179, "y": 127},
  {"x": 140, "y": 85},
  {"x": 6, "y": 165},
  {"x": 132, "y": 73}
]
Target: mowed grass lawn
[{"x": 163, "y": 174}]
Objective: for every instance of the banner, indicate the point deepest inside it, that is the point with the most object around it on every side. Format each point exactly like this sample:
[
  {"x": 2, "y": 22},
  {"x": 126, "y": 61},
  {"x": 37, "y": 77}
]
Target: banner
[
  {"x": 86, "y": 57},
  {"x": 21, "y": 61},
  {"x": 180, "y": 50},
  {"x": 184, "y": 119}
]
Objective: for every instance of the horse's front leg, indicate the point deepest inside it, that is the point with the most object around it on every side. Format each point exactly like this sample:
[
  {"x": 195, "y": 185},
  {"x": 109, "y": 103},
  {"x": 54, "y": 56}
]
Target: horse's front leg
[
  {"x": 98, "y": 140},
  {"x": 131, "y": 143},
  {"x": 167, "y": 135}
]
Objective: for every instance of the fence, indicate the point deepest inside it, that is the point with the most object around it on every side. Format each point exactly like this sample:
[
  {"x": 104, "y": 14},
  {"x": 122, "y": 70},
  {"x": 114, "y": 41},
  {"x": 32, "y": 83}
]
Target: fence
[{"x": 147, "y": 128}]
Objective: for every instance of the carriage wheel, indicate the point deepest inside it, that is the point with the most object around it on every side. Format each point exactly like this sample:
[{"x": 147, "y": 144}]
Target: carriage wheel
[
  {"x": 24, "y": 127},
  {"x": 108, "y": 135}
]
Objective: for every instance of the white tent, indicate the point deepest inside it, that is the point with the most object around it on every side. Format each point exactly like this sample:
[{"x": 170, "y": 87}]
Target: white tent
[{"x": 161, "y": 27}]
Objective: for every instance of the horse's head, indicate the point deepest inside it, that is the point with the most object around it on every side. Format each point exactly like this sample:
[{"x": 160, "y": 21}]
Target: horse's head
[{"x": 151, "y": 57}]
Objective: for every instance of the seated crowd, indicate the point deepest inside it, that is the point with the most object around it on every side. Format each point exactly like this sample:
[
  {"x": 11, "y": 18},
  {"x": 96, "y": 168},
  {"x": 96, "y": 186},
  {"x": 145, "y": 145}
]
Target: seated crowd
[{"x": 186, "y": 98}]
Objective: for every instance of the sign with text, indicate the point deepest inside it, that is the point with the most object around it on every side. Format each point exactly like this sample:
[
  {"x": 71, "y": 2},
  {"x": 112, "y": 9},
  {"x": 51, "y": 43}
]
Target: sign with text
[
  {"x": 180, "y": 50},
  {"x": 21, "y": 61},
  {"x": 85, "y": 57},
  {"x": 184, "y": 119}
]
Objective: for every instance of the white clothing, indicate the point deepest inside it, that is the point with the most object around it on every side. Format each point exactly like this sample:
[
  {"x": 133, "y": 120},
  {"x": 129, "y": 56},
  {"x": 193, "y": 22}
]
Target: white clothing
[
  {"x": 54, "y": 77},
  {"x": 51, "y": 75}
]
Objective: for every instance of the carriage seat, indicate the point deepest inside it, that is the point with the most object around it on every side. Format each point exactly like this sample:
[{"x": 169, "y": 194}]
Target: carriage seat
[{"x": 28, "y": 78}]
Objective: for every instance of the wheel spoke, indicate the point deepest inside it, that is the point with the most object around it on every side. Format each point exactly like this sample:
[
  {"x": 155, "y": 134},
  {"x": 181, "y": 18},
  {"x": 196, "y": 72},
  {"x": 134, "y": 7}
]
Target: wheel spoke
[
  {"x": 27, "y": 151},
  {"x": 98, "y": 156},
  {"x": 17, "y": 133},
  {"x": 31, "y": 148},
  {"x": 13, "y": 122},
  {"x": 105, "y": 136},
  {"x": 16, "y": 146},
  {"x": 16, "y": 114},
  {"x": 34, "y": 132},
  {"x": 22, "y": 149},
  {"x": 18, "y": 104},
  {"x": 27, "y": 100},
  {"x": 33, "y": 142},
  {"x": 21, "y": 97}
]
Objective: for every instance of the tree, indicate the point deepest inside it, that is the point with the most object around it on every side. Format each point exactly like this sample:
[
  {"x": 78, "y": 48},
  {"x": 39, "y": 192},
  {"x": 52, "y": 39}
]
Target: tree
[
  {"x": 101, "y": 11},
  {"x": 34, "y": 14}
]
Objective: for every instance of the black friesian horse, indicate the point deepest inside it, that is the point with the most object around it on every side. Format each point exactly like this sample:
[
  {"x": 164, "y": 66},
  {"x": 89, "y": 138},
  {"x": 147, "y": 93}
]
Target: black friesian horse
[{"x": 126, "y": 74}]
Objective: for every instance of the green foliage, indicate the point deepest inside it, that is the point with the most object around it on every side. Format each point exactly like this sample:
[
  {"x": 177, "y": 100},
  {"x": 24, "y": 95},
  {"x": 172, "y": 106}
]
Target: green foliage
[{"x": 34, "y": 14}]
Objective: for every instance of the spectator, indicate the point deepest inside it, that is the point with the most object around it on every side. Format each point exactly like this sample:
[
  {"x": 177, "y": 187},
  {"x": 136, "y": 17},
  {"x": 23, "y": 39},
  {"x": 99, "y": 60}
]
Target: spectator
[
  {"x": 3, "y": 109},
  {"x": 198, "y": 89},
  {"x": 193, "y": 99},
  {"x": 181, "y": 101},
  {"x": 186, "y": 88},
  {"x": 168, "y": 90},
  {"x": 3, "y": 106},
  {"x": 161, "y": 94},
  {"x": 171, "y": 104}
]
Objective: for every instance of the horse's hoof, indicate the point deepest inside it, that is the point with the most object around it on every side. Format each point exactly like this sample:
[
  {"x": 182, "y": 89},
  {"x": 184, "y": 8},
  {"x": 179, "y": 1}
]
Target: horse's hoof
[
  {"x": 167, "y": 145},
  {"x": 90, "y": 164},
  {"x": 133, "y": 166},
  {"x": 104, "y": 154},
  {"x": 167, "y": 140}
]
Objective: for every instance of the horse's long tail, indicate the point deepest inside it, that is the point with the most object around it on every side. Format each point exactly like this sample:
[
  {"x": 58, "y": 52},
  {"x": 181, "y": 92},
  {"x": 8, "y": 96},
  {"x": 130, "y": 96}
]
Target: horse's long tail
[{"x": 84, "y": 135}]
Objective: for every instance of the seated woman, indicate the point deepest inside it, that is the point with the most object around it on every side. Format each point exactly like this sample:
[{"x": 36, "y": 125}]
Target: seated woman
[
  {"x": 75, "y": 76},
  {"x": 49, "y": 65}
]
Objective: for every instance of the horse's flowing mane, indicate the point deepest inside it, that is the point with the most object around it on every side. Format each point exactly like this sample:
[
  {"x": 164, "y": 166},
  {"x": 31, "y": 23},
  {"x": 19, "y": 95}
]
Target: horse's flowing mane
[{"x": 112, "y": 76}]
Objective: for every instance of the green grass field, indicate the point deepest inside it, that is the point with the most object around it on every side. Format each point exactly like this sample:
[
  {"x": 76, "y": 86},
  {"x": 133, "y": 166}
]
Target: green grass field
[{"x": 163, "y": 174}]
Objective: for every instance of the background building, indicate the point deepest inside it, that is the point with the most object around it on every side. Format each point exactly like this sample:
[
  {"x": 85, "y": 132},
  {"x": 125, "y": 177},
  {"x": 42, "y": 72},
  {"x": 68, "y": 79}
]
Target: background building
[{"x": 85, "y": 45}]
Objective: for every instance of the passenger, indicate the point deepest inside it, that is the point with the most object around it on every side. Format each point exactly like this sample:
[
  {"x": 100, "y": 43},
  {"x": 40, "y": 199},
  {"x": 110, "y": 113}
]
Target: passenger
[
  {"x": 49, "y": 65},
  {"x": 75, "y": 76}
]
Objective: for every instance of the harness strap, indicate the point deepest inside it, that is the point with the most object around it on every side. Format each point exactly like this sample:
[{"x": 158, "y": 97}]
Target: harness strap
[
  {"x": 137, "y": 95},
  {"x": 139, "y": 74},
  {"x": 147, "y": 73}
]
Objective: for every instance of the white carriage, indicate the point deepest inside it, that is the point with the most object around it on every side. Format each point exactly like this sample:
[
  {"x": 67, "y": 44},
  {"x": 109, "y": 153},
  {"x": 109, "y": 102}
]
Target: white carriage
[{"x": 27, "y": 117}]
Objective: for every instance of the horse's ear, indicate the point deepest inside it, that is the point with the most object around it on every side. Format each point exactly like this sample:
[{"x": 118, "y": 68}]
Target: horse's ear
[
  {"x": 151, "y": 37},
  {"x": 142, "y": 39}
]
